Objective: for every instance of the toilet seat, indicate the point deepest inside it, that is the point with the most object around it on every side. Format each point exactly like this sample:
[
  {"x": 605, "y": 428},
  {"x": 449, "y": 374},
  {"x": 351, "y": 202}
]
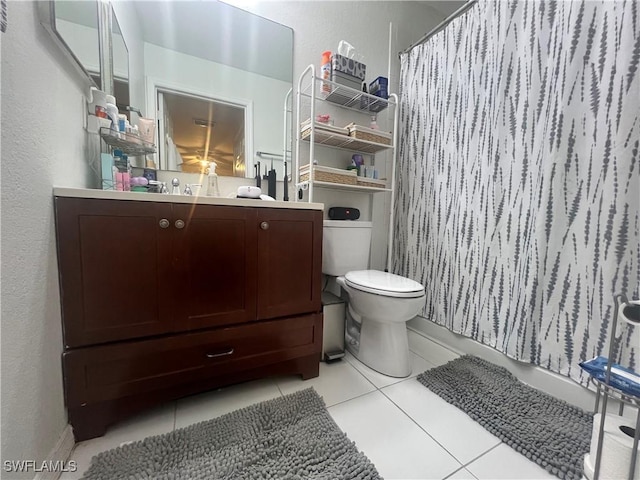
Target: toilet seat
[{"x": 384, "y": 283}]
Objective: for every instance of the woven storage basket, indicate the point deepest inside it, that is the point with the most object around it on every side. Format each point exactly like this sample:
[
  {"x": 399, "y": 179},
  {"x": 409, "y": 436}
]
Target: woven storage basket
[
  {"x": 324, "y": 127},
  {"x": 328, "y": 174},
  {"x": 368, "y": 134},
  {"x": 371, "y": 182}
]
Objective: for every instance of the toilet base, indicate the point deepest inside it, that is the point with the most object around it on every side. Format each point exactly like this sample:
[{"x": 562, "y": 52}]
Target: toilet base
[{"x": 383, "y": 347}]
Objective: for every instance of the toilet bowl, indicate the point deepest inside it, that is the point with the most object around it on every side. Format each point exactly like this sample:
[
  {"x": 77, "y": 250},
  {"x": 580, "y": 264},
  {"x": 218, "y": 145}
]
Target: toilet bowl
[{"x": 379, "y": 303}]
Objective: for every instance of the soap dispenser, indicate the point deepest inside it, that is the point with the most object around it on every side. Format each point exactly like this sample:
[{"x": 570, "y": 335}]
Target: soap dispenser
[{"x": 213, "y": 190}]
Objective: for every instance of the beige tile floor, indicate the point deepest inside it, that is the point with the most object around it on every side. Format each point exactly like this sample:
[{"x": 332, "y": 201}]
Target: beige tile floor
[{"x": 406, "y": 430}]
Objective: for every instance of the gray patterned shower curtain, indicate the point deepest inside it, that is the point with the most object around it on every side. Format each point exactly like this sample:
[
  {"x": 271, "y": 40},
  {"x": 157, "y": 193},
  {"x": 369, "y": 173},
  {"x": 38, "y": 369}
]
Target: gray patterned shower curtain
[{"x": 518, "y": 195}]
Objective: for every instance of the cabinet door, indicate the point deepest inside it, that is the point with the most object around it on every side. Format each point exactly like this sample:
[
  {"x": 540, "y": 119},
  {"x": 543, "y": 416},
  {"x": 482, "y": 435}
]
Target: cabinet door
[
  {"x": 215, "y": 267},
  {"x": 114, "y": 262},
  {"x": 289, "y": 262}
]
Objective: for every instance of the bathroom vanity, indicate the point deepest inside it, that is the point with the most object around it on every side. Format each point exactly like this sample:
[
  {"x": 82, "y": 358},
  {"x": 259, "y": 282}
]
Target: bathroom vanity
[{"x": 165, "y": 296}]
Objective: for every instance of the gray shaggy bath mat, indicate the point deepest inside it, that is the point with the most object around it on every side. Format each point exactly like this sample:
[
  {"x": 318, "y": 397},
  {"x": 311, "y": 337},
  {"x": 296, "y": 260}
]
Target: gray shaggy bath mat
[
  {"x": 292, "y": 437},
  {"x": 548, "y": 431}
]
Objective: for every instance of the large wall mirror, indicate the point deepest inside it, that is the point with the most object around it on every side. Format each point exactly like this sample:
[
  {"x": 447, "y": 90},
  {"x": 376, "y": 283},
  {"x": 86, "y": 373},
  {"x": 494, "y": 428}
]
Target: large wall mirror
[
  {"x": 120, "y": 55},
  {"x": 76, "y": 26},
  {"x": 216, "y": 78}
]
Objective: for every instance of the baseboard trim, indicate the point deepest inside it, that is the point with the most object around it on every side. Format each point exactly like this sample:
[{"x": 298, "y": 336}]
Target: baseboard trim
[
  {"x": 60, "y": 453},
  {"x": 540, "y": 378}
]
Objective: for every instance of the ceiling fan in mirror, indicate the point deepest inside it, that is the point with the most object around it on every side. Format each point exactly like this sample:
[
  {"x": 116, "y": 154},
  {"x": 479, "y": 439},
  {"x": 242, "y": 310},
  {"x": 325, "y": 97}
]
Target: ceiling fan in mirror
[{"x": 195, "y": 159}]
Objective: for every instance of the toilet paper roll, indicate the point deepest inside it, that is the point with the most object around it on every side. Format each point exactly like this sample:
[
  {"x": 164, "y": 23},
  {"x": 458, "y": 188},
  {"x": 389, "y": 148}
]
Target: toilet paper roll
[{"x": 616, "y": 447}]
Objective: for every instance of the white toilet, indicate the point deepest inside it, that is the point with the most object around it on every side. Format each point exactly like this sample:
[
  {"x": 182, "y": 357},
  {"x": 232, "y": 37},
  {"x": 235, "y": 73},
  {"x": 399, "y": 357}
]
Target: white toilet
[{"x": 379, "y": 303}]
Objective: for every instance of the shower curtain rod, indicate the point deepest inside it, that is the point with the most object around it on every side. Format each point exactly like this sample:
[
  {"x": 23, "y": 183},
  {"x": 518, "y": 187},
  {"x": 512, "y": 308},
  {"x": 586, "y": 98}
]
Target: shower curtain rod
[{"x": 441, "y": 25}]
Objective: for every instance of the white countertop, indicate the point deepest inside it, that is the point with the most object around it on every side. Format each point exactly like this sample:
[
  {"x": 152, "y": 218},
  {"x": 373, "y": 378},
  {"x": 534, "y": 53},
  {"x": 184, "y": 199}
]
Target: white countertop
[{"x": 201, "y": 200}]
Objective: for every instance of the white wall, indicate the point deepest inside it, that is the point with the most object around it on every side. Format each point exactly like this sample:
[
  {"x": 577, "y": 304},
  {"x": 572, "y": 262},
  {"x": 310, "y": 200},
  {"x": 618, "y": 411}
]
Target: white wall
[
  {"x": 43, "y": 144},
  {"x": 319, "y": 26}
]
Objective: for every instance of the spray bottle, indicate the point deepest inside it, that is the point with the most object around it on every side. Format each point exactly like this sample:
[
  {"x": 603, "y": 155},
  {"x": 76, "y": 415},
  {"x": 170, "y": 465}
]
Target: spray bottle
[
  {"x": 213, "y": 190},
  {"x": 325, "y": 72}
]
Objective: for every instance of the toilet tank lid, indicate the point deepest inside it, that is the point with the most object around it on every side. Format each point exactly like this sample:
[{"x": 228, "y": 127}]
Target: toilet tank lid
[
  {"x": 383, "y": 281},
  {"x": 347, "y": 224}
]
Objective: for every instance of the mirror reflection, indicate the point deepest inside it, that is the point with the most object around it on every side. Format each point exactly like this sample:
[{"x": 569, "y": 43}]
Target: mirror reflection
[
  {"x": 120, "y": 66},
  {"x": 76, "y": 22},
  {"x": 230, "y": 61},
  {"x": 198, "y": 131}
]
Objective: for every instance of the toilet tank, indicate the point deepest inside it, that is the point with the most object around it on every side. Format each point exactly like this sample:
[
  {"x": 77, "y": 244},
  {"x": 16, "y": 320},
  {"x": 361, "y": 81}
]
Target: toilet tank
[{"x": 345, "y": 246}]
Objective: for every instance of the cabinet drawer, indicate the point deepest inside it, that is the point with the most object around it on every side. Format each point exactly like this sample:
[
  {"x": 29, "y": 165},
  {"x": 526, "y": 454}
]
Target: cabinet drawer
[{"x": 100, "y": 373}]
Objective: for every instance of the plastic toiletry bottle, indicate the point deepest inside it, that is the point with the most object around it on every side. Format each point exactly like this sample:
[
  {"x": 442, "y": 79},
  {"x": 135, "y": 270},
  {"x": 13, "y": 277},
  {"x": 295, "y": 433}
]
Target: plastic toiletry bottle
[
  {"x": 325, "y": 72},
  {"x": 119, "y": 182},
  {"x": 122, "y": 122},
  {"x": 374, "y": 123},
  {"x": 119, "y": 160},
  {"x": 126, "y": 181},
  {"x": 112, "y": 112},
  {"x": 98, "y": 103},
  {"x": 213, "y": 189}
]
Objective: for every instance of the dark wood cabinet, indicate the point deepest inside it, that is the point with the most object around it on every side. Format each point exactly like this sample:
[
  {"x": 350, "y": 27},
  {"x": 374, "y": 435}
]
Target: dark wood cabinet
[
  {"x": 164, "y": 299},
  {"x": 115, "y": 270},
  {"x": 215, "y": 265},
  {"x": 288, "y": 263}
]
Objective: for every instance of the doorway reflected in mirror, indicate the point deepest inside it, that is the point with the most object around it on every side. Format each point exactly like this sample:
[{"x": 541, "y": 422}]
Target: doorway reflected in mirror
[{"x": 195, "y": 131}]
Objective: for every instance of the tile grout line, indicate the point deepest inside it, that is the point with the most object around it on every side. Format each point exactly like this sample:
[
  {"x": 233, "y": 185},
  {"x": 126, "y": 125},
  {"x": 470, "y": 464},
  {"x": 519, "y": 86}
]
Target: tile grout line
[
  {"x": 459, "y": 470},
  {"x": 481, "y": 455},
  {"x": 435, "y": 342},
  {"x": 416, "y": 353},
  {"x": 277, "y": 386},
  {"x": 432, "y": 340},
  {"x": 397, "y": 379},
  {"x": 349, "y": 399},
  {"x": 464, "y": 466},
  {"x": 362, "y": 374},
  {"x": 425, "y": 431},
  {"x": 379, "y": 389}
]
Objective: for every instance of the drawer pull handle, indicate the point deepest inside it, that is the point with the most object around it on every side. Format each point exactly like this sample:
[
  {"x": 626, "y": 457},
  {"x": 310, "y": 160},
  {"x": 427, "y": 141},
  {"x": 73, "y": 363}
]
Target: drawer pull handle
[
  {"x": 164, "y": 223},
  {"x": 264, "y": 226},
  {"x": 179, "y": 224},
  {"x": 221, "y": 354}
]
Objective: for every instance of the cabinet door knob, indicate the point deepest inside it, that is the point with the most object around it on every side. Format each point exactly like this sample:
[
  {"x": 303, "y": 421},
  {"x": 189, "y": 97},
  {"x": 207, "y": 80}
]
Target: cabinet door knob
[
  {"x": 264, "y": 225},
  {"x": 164, "y": 223},
  {"x": 179, "y": 224}
]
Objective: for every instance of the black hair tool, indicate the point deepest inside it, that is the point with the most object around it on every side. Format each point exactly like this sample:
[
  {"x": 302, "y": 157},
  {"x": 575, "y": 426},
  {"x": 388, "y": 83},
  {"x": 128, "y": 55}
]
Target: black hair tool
[
  {"x": 271, "y": 182},
  {"x": 258, "y": 179},
  {"x": 285, "y": 186}
]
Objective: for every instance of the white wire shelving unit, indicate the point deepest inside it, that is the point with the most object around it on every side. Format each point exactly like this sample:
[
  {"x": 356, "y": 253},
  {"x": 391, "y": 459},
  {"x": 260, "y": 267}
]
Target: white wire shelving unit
[{"x": 312, "y": 91}]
